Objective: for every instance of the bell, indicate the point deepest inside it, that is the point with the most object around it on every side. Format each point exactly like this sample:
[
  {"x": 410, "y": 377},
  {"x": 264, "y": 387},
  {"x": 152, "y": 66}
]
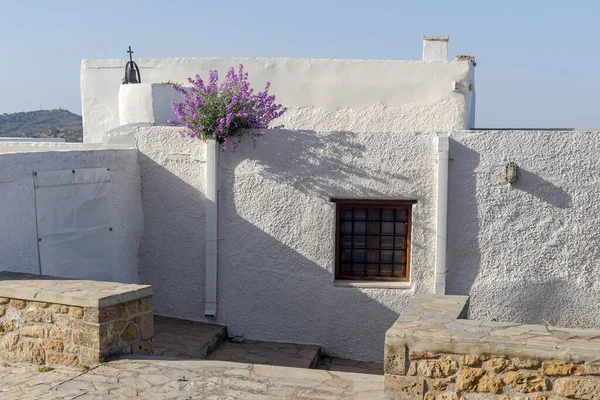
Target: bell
[{"x": 132, "y": 72}]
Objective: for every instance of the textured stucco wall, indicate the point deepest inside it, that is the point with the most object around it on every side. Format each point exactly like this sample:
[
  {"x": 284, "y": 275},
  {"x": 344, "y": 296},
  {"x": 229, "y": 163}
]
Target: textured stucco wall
[
  {"x": 172, "y": 248},
  {"x": 527, "y": 252},
  {"x": 18, "y": 237},
  {"x": 321, "y": 94},
  {"x": 276, "y": 231},
  {"x": 277, "y": 238}
]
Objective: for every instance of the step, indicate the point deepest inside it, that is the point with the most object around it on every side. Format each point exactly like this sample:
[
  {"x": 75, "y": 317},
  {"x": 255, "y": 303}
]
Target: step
[
  {"x": 180, "y": 338},
  {"x": 343, "y": 365},
  {"x": 268, "y": 353}
]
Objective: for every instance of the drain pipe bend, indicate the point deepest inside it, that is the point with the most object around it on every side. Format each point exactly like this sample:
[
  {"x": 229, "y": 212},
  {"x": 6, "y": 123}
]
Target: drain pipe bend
[
  {"x": 210, "y": 244},
  {"x": 442, "y": 213}
]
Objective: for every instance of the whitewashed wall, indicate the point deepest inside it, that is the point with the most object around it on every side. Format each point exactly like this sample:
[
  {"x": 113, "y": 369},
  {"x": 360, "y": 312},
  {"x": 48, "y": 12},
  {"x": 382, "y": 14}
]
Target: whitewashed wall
[
  {"x": 529, "y": 252},
  {"x": 277, "y": 235},
  {"x": 276, "y": 231},
  {"x": 322, "y": 95},
  {"x": 172, "y": 249},
  {"x": 18, "y": 237}
]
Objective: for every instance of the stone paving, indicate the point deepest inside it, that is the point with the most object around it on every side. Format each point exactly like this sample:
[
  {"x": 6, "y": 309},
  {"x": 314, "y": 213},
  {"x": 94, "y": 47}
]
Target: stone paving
[
  {"x": 155, "y": 378},
  {"x": 268, "y": 353}
]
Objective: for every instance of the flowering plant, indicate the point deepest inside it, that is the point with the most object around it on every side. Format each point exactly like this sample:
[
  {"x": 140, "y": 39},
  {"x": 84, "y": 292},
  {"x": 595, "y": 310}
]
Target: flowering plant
[{"x": 227, "y": 111}]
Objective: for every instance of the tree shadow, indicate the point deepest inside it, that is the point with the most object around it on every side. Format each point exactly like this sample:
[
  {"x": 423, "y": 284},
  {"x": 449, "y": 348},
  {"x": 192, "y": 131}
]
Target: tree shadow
[{"x": 276, "y": 240}]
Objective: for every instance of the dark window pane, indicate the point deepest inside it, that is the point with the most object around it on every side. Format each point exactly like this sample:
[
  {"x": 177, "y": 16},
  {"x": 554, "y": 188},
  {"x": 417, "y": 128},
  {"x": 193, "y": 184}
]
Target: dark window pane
[
  {"x": 360, "y": 227},
  {"x": 387, "y": 215},
  {"x": 347, "y": 255},
  {"x": 386, "y": 256},
  {"x": 399, "y": 256},
  {"x": 358, "y": 255},
  {"x": 387, "y": 228},
  {"x": 373, "y": 227},
  {"x": 399, "y": 270},
  {"x": 348, "y": 215},
  {"x": 373, "y": 242},
  {"x": 387, "y": 242},
  {"x": 360, "y": 214},
  {"x": 401, "y": 215},
  {"x": 401, "y": 228},
  {"x": 373, "y": 256},
  {"x": 359, "y": 242},
  {"x": 348, "y": 227},
  {"x": 386, "y": 270},
  {"x": 358, "y": 269},
  {"x": 400, "y": 242},
  {"x": 372, "y": 269}
]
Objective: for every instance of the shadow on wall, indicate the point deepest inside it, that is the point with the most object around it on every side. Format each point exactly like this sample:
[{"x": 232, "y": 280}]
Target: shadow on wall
[
  {"x": 275, "y": 257},
  {"x": 542, "y": 189},
  {"x": 171, "y": 254},
  {"x": 310, "y": 162},
  {"x": 463, "y": 256},
  {"x": 276, "y": 240},
  {"x": 504, "y": 277}
]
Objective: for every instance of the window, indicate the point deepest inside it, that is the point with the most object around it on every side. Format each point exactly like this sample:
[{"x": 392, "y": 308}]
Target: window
[{"x": 373, "y": 239}]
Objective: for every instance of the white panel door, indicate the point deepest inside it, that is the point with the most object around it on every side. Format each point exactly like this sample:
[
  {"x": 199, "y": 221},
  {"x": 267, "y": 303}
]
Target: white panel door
[{"x": 73, "y": 223}]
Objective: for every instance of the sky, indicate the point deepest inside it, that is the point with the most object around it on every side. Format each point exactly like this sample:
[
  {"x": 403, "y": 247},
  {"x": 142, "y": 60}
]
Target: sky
[{"x": 538, "y": 62}]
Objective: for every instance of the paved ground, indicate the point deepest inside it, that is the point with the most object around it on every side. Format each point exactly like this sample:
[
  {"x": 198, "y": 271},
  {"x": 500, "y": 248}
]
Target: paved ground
[
  {"x": 153, "y": 378},
  {"x": 178, "y": 338},
  {"x": 268, "y": 353}
]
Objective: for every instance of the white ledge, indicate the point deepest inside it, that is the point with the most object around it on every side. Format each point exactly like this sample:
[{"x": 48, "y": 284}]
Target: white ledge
[{"x": 372, "y": 284}]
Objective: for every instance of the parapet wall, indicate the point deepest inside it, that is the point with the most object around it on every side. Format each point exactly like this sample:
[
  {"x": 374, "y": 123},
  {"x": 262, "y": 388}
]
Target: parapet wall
[
  {"x": 432, "y": 354},
  {"x": 52, "y": 321}
]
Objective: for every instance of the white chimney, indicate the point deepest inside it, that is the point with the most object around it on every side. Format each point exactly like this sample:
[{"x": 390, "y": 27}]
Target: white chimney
[{"x": 435, "y": 48}]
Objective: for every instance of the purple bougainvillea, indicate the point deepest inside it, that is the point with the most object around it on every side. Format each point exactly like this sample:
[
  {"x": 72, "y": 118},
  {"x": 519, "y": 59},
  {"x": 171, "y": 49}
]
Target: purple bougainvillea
[{"x": 226, "y": 111}]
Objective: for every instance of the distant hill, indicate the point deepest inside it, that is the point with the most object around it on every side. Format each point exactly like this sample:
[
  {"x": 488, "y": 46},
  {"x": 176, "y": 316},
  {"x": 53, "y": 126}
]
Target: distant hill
[{"x": 57, "y": 123}]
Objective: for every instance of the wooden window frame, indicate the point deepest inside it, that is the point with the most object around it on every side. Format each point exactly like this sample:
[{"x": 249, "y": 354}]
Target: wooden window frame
[{"x": 371, "y": 203}]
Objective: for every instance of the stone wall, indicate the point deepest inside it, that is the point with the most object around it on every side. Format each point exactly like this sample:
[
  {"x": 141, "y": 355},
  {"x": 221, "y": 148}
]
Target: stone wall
[
  {"x": 45, "y": 332},
  {"x": 57, "y": 334},
  {"x": 429, "y": 354}
]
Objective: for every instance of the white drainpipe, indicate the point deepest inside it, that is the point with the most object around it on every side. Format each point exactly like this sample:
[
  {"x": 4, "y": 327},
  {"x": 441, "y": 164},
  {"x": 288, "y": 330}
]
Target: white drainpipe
[
  {"x": 442, "y": 214},
  {"x": 210, "y": 244}
]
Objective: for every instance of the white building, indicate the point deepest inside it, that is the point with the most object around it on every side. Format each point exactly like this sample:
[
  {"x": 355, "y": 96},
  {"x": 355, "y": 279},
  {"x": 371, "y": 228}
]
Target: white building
[{"x": 267, "y": 258}]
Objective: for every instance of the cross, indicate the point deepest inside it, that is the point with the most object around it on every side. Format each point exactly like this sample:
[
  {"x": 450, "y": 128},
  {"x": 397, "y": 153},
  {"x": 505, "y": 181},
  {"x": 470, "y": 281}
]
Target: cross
[{"x": 130, "y": 53}]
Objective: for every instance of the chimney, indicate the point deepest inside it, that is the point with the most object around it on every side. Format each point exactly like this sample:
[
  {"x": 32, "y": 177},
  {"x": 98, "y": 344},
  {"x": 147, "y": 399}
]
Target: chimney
[{"x": 435, "y": 48}]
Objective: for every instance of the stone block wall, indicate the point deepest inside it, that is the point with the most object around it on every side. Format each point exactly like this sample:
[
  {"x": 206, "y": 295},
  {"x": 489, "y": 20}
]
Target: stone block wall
[
  {"x": 432, "y": 355},
  {"x": 57, "y": 334},
  {"x": 57, "y": 321},
  {"x": 438, "y": 376}
]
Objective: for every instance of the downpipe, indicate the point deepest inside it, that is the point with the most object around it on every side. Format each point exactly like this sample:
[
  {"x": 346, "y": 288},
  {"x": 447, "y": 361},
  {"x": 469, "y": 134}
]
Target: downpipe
[
  {"x": 443, "y": 148},
  {"x": 210, "y": 244}
]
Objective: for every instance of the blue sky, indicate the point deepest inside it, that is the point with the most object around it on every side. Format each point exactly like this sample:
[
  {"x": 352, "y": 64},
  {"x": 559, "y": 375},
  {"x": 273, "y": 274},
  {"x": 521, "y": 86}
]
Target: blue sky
[{"x": 538, "y": 62}]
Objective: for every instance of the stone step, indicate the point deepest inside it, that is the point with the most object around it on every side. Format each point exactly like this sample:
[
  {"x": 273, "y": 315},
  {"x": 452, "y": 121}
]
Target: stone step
[
  {"x": 268, "y": 353},
  {"x": 180, "y": 338}
]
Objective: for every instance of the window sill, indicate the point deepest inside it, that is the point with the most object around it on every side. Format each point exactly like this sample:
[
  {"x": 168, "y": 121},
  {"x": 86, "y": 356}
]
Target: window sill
[{"x": 372, "y": 284}]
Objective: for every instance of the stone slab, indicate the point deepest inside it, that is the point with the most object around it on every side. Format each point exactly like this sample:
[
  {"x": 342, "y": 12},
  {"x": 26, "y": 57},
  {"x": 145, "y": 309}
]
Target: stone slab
[
  {"x": 155, "y": 378},
  {"x": 72, "y": 292},
  {"x": 430, "y": 323}
]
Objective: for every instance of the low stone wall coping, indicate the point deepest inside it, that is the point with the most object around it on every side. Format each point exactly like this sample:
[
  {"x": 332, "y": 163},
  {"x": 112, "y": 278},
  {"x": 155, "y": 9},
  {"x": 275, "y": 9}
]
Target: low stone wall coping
[
  {"x": 71, "y": 292},
  {"x": 430, "y": 323}
]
